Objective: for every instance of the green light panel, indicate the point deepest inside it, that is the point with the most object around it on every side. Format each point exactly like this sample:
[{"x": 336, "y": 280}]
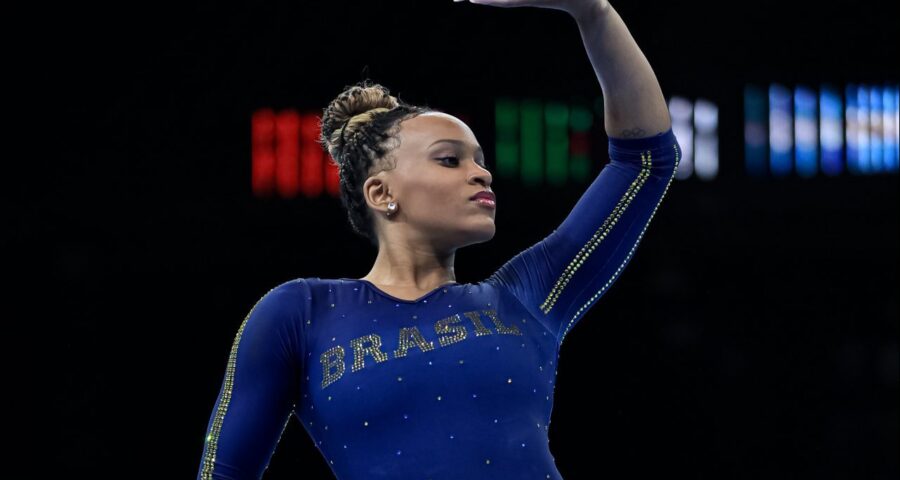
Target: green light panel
[
  {"x": 506, "y": 119},
  {"x": 531, "y": 138},
  {"x": 556, "y": 120},
  {"x": 581, "y": 120},
  {"x": 539, "y": 141}
]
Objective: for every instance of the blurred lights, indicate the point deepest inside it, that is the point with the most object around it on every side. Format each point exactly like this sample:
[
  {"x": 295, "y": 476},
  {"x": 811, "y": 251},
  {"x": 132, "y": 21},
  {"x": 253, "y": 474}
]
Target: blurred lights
[
  {"x": 706, "y": 141},
  {"x": 813, "y": 132},
  {"x": 831, "y": 138},
  {"x": 696, "y": 126},
  {"x": 801, "y": 130},
  {"x": 805, "y": 152},
  {"x": 681, "y": 110},
  {"x": 285, "y": 159},
  {"x": 781, "y": 138}
]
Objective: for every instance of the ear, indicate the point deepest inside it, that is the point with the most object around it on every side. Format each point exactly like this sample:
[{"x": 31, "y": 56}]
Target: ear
[{"x": 377, "y": 192}]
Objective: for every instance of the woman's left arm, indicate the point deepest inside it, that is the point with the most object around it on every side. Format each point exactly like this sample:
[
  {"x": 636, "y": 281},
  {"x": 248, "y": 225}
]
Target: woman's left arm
[{"x": 634, "y": 105}]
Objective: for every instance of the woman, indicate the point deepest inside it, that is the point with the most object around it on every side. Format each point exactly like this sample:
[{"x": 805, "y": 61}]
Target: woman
[{"x": 406, "y": 373}]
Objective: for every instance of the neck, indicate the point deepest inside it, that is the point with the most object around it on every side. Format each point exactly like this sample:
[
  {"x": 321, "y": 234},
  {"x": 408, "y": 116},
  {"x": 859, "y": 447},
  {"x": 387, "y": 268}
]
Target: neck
[{"x": 418, "y": 268}]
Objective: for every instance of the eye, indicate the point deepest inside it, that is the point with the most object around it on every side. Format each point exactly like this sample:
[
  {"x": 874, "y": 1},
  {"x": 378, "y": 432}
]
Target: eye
[{"x": 456, "y": 161}]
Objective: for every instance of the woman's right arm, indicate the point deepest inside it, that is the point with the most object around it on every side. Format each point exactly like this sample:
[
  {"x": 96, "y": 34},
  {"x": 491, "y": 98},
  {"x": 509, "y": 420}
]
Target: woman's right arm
[{"x": 259, "y": 392}]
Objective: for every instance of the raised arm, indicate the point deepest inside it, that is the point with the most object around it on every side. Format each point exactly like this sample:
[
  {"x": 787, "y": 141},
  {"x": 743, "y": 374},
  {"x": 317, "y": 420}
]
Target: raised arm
[
  {"x": 634, "y": 105},
  {"x": 561, "y": 277}
]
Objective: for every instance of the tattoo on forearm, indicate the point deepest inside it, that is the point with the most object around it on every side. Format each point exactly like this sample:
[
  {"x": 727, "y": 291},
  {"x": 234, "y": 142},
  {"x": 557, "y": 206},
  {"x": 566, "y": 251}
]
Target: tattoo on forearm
[{"x": 633, "y": 133}]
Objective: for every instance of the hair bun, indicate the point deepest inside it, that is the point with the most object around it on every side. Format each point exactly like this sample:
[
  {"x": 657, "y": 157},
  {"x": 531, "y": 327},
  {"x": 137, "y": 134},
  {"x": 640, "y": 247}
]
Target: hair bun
[{"x": 352, "y": 107}]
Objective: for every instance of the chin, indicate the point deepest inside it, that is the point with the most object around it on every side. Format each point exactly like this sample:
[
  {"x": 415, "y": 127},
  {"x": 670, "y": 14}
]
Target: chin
[{"x": 484, "y": 234}]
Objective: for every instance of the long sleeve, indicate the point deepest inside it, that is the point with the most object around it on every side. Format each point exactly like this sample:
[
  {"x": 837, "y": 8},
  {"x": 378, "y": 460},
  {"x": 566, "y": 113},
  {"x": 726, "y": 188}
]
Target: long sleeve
[
  {"x": 559, "y": 278},
  {"x": 259, "y": 391}
]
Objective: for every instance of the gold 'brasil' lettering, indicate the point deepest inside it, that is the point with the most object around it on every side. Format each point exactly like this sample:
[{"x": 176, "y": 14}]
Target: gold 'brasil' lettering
[{"x": 449, "y": 331}]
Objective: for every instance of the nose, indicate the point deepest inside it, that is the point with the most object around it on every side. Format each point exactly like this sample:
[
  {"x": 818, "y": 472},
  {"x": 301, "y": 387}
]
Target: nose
[{"x": 481, "y": 175}]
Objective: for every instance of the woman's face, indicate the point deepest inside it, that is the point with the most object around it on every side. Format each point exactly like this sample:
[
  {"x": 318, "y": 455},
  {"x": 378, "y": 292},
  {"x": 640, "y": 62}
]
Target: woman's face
[{"x": 433, "y": 192}]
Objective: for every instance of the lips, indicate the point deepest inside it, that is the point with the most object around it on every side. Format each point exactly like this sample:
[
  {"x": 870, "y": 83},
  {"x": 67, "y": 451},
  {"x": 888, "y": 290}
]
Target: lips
[{"x": 484, "y": 194}]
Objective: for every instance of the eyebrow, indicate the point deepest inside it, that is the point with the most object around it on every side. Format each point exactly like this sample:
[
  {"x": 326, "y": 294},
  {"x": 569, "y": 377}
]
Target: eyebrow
[{"x": 458, "y": 142}]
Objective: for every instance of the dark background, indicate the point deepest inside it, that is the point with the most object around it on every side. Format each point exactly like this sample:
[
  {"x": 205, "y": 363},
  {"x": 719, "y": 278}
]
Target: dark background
[{"x": 753, "y": 335}]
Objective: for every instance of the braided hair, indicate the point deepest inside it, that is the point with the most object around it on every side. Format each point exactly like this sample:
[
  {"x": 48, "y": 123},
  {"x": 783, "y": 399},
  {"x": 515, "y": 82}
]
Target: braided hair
[{"x": 358, "y": 130}]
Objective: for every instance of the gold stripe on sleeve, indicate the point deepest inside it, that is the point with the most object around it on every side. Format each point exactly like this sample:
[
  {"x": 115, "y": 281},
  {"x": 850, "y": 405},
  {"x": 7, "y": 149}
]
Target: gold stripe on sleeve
[
  {"x": 599, "y": 235},
  {"x": 212, "y": 437},
  {"x": 606, "y": 285}
]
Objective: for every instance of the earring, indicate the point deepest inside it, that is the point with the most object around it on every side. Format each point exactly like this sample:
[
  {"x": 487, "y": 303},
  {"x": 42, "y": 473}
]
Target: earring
[{"x": 392, "y": 208}]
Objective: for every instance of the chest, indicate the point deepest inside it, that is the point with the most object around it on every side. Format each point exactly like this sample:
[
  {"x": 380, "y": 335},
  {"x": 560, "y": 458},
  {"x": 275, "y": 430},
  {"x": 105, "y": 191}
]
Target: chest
[{"x": 370, "y": 359}]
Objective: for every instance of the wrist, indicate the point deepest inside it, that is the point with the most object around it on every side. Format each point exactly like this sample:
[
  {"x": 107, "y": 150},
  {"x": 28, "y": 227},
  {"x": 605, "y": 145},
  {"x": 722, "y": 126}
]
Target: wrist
[{"x": 587, "y": 10}]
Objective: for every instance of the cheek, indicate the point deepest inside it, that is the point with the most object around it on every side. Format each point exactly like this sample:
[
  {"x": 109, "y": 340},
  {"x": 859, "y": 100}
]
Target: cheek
[{"x": 433, "y": 197}]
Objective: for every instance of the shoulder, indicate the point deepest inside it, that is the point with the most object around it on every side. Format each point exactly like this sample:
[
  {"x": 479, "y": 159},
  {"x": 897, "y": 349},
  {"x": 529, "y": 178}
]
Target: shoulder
[
  {"x": 294, "y": 286},
  {"x": 276, "y": 318},
  {"x": 308, "y": 287},
  {"x": 285, "y": 300}
]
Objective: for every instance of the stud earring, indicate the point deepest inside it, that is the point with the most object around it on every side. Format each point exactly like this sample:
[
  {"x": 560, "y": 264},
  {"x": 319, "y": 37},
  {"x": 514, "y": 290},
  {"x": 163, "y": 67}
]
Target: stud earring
[{"x": 392, "y": 208}]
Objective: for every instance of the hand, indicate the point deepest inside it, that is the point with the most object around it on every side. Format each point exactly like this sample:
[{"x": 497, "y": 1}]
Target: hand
[{"x": 576, "y": 8}]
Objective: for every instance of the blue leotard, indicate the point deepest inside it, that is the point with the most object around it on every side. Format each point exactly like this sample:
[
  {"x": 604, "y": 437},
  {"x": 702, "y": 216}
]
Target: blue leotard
[{"x": 456, "y": 384}]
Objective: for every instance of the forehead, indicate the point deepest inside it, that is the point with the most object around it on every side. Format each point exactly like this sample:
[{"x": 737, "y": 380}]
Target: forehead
[{"x": 422, "y": 130}]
